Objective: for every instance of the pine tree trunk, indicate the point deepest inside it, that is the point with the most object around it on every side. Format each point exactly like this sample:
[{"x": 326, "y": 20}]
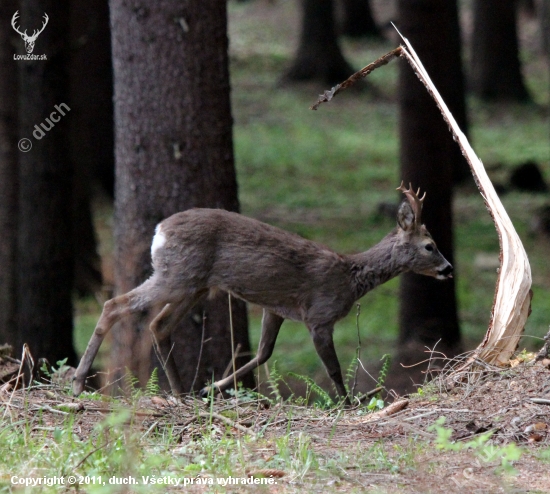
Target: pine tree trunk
[
  {"x": 318, "y": 57},
  {"x": 45, "y": 252},
  {"x": 359, "y": 21},
  {"x": 174, "y": 151},
  {"x": 8, "y": 174},
  {"x": 91, "y": 85},
  {"x": 428, "y": 311},
  {"x": 92, "y": 133},
  {"x": 544, "y": 15},
  {"x": 495, "y": 66}
]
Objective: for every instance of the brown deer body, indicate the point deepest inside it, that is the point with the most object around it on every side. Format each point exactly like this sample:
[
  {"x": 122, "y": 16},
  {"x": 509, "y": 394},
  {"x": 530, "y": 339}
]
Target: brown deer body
[{"x": 288, "y": 276}]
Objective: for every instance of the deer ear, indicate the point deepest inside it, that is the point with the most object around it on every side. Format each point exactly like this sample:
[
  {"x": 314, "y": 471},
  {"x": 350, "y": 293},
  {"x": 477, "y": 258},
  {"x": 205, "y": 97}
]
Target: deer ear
[{"x": 405, "y": 216}]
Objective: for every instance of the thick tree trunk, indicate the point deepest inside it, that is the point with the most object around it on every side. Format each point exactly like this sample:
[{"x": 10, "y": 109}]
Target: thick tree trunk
[
  {"x": 92, "y": 133},
  {"x": 358, "y": 20},
  {"x": 45, "y": 253},
  {"x": 544, "y": 16},
  {"x": 8, "y": 173},
  {"x": 173, "y": 133},
  {"x": 428, "y": 311},
  {"x": 91, "y": 86},
  {"x": 495, "y": 66},
  {"x": 318, "y": 57}
]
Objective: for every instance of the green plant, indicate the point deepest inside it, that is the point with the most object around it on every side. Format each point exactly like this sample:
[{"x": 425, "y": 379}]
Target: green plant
[
  {"x": 483, "y": 450},
  {"x": 152, "y": 387},
  {"x": 324, "y": 400},
  {"x": 61, "y": 367},
  {"x": 375, "y": 404},
  {"x": 386, "y": 361},
  {"x": 544, "y": 455},
  {"x": 295, "y": 453},
  {"x": 131, "y": 383},
  {"x": 351, "y": 372},
  {"x": 274, "y": 378}
]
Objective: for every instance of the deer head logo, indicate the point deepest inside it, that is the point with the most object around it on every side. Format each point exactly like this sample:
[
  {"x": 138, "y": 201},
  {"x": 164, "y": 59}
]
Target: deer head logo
[{"x": 29, "y": 40}]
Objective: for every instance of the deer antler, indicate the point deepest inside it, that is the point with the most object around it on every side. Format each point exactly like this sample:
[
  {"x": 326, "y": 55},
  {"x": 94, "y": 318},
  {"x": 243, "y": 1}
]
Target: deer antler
[
  {"x": 415, "y": 201},
  {"x": 13, "y": 19}
]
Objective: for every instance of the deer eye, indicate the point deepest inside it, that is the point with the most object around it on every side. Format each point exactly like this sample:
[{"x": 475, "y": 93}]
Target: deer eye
[{"x": 429, "y": 247}]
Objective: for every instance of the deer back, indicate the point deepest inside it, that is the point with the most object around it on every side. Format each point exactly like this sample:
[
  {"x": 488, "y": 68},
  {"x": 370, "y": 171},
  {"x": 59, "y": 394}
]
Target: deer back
[{"x": 263, "y": 264}]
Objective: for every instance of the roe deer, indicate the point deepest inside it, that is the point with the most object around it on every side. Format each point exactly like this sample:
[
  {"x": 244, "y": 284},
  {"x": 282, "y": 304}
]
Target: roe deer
[{"x": 288, "y": 276}]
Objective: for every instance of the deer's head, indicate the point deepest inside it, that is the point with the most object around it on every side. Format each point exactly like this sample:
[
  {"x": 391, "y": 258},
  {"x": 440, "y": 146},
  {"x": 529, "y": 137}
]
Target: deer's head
[
  {"x": 29, "y": 40},
  {"x": 415, "y": 242}
]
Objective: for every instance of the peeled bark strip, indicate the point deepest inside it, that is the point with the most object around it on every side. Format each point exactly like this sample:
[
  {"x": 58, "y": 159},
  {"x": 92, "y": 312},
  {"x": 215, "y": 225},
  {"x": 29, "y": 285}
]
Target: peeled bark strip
[{"x": 512, "y": 301}]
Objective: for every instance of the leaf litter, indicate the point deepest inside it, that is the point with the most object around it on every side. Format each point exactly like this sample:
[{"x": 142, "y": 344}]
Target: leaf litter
[{"x": 341, "y": 449}]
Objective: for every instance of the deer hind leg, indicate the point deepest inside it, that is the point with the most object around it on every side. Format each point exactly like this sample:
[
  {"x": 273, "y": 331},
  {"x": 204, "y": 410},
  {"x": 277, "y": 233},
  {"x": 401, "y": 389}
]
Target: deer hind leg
[
  {"x": 271, "y": 324},
  {"x": 324, "y": 345},
  {"x": 161, "y": 337},
  {"x": 134, "y": 301}
]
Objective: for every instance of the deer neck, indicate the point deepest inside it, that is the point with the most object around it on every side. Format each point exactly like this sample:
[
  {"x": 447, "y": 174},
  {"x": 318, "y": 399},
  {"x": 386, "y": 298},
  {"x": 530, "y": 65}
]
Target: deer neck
[{"x": 377, "y": 265}]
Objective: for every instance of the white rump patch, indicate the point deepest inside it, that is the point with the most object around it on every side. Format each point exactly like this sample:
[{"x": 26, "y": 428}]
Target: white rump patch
[{"x": 158, "y": 240}]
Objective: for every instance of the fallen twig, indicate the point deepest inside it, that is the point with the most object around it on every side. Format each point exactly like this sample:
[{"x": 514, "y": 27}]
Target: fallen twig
[
  {"x": 395, "y": 407},
  {"x": 227, "y": 421},
  {"x": 540, "y": 401},
  {"x": 266, "y": 473}
]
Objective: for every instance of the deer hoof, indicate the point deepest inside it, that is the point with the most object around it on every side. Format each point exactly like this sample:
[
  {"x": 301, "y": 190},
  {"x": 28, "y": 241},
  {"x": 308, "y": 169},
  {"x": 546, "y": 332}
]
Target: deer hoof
[
  {"x": 78, "y": 386},
  {"x": 205, "y": 392}
]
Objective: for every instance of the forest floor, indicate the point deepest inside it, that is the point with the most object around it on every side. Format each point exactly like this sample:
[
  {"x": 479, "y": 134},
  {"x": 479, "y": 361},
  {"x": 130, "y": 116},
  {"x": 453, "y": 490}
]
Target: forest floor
[{"x": 487, "y": 433}]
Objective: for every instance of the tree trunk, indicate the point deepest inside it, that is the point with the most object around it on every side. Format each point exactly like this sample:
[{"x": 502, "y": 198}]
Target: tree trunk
[
  {"x": 92, "y": 132},
  {"x": 8, "y": 174},
  {"x": 174, "y": 151},
  {"x": 91, "y": 84},
  {"x": 428, "y": 311},
  {"x": 45, "y": 253},
  {"x": 319, "y": 57},
  {"x": 495, "y": 66},
  {"x": 544, "y": 16},
  {"x": 358, "y": 20}
]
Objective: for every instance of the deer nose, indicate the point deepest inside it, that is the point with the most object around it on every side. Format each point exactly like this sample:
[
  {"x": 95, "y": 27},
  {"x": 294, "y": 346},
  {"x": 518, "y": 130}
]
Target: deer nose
[{"x": 447, "y": 272}]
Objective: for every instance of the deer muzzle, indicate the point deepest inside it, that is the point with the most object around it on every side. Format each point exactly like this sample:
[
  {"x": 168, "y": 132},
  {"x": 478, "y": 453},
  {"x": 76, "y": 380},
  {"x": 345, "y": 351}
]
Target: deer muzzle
[{"x": 445, "y": 272}]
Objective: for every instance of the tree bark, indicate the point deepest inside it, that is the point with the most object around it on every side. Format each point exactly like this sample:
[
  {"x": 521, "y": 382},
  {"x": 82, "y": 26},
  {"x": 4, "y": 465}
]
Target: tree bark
[
  {"x": 92, "y": 133},
  {"x": 544, "y": 16},
  {"x": 174, "y": 151},
  {"x": 45, "y": 252},
  {"x": 428, "y": 311},
  {"x": 318, "y": 57},
  {"x": 8, "y": 174},
  {"x": 359, "y": 21},
  {"x": 495, "y": 66}
]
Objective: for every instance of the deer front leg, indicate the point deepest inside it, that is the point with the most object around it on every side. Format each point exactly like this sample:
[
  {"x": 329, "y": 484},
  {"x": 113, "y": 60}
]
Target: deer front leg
[
  {"x": 113, "y": 311},
  {"x": 271, "y": 324},
  {"x": 324, "y": 344}
]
